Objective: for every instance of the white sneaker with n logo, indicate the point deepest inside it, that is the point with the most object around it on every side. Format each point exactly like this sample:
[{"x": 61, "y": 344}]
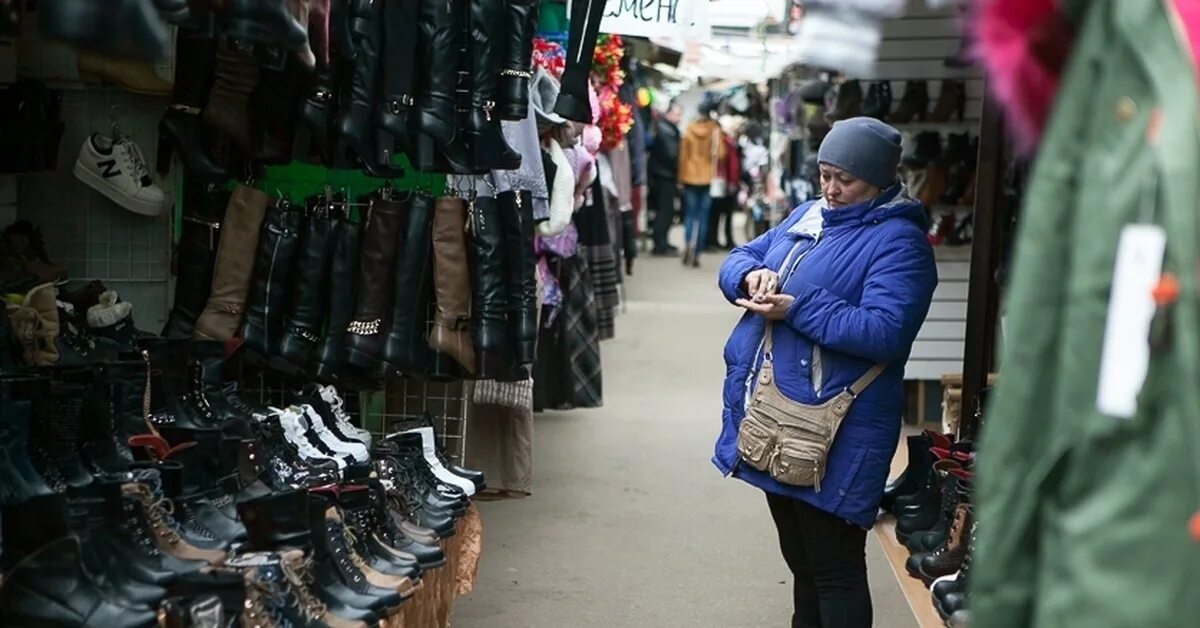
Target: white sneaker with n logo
[{"x": 114, "y": 167}]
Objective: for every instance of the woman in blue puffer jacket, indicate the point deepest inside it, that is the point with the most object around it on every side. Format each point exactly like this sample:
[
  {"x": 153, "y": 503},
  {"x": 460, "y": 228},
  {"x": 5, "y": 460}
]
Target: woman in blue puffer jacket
[{"x": 858, "y": 281}]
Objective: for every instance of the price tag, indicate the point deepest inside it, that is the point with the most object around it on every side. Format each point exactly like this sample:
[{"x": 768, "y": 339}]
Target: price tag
[{"x": 1126, "y": 354}]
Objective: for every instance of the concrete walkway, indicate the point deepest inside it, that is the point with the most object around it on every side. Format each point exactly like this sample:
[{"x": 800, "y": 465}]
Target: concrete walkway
[{"x": 630, "y": 526}]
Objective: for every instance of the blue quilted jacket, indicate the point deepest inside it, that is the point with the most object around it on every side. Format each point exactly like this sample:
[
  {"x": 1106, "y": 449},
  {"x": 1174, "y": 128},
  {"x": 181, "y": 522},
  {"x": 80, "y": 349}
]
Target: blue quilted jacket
[{"x": 862, "y": 288}]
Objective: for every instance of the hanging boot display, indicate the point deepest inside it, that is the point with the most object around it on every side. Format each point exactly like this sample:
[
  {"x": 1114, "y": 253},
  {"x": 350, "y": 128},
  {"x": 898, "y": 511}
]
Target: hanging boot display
[
  {"x": 180, "y": 129},
  {"x": 343, "y": 275},
  {"x": 397, "y": 97},
  {"x": 382, "y": 235},
  {"x": 203, "y": 212},
  {"x": 234, "y": 265},
  {"x": 573, "y": 102},
  {"x": 235, "y": 77},
  {"x": 490, "y": 294},
  {"x": 356, "y": 120},
  {"x": 914, "y": 104},
  {"x": 302, "y": 327},
  {"x": 262, "y": 327},
  {"x": 516, "y": 215},
  {"x": 489, "y": 150},
  {"x": 405, "y": 353},
  {"x": 516, "y": 72},
  {"x": 439, "y": 137},
  {"x": 451, "y": 332}
]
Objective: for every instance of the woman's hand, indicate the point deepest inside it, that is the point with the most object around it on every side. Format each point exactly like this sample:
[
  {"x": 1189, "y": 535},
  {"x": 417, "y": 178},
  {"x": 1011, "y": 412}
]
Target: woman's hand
[
  {"x": 772, "y": 307},
  {"x": 760, "y": 283}
]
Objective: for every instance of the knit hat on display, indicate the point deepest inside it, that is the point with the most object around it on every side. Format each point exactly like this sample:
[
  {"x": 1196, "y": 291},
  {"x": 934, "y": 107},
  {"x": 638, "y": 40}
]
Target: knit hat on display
[{"x": 864, "y": 147}]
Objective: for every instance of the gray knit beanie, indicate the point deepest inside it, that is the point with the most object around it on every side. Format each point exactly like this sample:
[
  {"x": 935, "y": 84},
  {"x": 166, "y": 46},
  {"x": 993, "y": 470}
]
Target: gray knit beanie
[{"x": 864, "y": 147}]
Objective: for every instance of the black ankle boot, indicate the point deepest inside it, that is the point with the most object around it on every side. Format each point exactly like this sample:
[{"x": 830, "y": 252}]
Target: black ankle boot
[
  {"x": 405, "y": 352},
  {"x": 489, "y": 150},
  {"x": 180, "y": 128},
  {"x": 911, "y": 479},
  {"x": 439, "y": 137},
  {"x": 398, "y": 89},
  {"x": 172, "y": 402},
  {"x": 358, "y": 510},
  {"x": 330, "y": 366},
  {"x": 573, "y": 102},
  {"x": 382, "y": 235},
  {"x": 516, "y": 214},
  {"x": 310, "y": 297},
  {"x": 488, "y": 284},
  {"x": 203, "y": 212},
  {"x": 19, "y": 481},
  {"x": 512, "y": 98},
  {"x": 276, "y": 522}
]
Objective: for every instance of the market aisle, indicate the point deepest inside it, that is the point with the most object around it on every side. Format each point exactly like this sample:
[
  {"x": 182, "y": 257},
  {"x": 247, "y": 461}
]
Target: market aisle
[{"x": 629, "y": 525}]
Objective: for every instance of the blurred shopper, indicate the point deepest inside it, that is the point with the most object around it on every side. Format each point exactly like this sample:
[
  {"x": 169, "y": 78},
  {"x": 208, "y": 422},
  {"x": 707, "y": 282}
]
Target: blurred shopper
[
  {"x": 663, "y": 169},
  {"x": 730, "y": 168},
  {"x": 834, "y": 297},
  {"x": 700, "y": 153}
]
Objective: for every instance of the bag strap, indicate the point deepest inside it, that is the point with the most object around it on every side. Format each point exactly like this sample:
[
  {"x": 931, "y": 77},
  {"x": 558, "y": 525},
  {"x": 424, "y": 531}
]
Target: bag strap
[
  {"x": 716, "y": 154},
  {"x": 855, "y": 389}
]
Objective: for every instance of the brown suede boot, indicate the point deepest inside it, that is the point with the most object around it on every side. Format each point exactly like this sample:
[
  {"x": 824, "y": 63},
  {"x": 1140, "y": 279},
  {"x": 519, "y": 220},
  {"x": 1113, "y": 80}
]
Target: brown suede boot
[
  {"x": 35, "y": 326},
  {"x": 234, "y": 266},
  {"x": 452, "y": 283},
  {"x": 235, "y": 77}
]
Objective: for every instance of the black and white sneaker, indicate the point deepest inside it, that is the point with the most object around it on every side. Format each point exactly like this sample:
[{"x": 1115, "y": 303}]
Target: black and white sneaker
[{"x": 114, "y": 167}]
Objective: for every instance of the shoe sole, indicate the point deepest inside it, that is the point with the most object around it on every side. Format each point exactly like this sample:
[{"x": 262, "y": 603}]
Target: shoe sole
[{"x": 97, "y": 183}]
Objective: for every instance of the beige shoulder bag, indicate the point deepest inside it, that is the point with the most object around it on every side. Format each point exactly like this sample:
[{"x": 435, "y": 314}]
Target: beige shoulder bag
[{"x": 788, "y": 439}]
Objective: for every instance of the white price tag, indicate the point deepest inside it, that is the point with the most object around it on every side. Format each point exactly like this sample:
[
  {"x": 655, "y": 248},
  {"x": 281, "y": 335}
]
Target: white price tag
[{"x": 1126, "y": 354}]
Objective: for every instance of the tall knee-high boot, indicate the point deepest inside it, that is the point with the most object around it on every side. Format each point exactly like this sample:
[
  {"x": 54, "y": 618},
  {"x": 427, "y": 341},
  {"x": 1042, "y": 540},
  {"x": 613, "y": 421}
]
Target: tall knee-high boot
[
  {"x": 330, "y": 366},
  {"x": 262, "y": 328},
  {"x": 512, "y": 97},
  {"x": 382, "y": 236},
  {"x": 451, "y": 332},
  {"x": 356, "y": 128},
  {"x": 573, "y": 101},
  {"x": 489, "y": 290},
  {"x": 310, "y": 299},
  {"x": 234, "y": 265},
  {"x": 203, "y": 212},
  {"x": 180, "y": 128},
  {"x": 516, "y": 214},
  {"x": 398, "y": 91},
  {"x": 227, "y": 110},
  {"x": 439, "y": 136},
  {"x": 406, "y": 353},
  {"x": 489, "y": 150}
]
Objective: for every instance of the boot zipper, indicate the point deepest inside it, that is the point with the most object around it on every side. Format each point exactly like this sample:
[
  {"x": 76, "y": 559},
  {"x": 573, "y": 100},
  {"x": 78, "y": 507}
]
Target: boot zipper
[
  {"x": 267, "y": 304},
  {"x": 586, "y": 18}
]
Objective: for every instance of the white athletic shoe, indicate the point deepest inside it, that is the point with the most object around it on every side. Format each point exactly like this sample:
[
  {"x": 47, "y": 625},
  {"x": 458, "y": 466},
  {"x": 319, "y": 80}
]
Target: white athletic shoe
[{"x": 114, "y": 167}]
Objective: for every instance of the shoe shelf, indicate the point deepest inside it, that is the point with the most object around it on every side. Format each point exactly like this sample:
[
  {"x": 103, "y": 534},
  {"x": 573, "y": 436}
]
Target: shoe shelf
[{"x": 918, "y": 596}]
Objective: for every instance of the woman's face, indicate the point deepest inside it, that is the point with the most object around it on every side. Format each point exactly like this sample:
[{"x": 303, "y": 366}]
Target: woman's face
[{"x": 842, "y": 189}]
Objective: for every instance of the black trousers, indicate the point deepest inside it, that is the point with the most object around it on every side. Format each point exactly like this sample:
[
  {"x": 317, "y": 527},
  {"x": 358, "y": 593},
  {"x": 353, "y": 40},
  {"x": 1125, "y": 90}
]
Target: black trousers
[
  {"x": 662, "y": 200},
  {"x": 828, "y": 557},
  {"x": 722, "y": 207}
]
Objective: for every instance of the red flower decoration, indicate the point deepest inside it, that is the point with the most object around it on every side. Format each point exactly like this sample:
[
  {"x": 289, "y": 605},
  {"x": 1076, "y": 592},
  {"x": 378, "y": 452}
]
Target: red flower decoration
[{"x": 550, "y": 56}]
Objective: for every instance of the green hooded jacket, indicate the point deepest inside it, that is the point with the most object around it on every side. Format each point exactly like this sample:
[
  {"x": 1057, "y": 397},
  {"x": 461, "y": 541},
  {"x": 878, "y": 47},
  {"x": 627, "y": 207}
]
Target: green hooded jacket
[{"x": 1083, "y": 517}]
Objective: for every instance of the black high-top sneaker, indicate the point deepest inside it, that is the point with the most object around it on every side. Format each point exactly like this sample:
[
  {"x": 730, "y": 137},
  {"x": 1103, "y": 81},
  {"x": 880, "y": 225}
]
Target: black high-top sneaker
[
  {"x": 429, "y": 556},
  {"x": 356, "y": 503}
]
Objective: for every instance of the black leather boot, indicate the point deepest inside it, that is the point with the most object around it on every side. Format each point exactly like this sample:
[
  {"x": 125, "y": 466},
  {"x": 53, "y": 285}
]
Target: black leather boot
[
  {"x": 19, "y": 481},
  {"x": 172, "y": 402},
  {"x": 428, "y": 556},
  {"x": 910, "y": 480},
  {"x": 356, "y": 120},
  {"x": 398, "y": 90},
  {"x": 302, "y": 327},
  {"x": 924, "y": 514},
  {"x": 382, "y": 236},
  {"x": 489, "y": 150},
  {"x": 112, "y": 404},
  {"x": 439, "y": 137},
  {"x": 180, "y": 128},
  {"x": 52, "y": 587},
  {"x": 262, "y": 327},
  {"x": 203, "y": 213},
  {"x": 358, "y": 510},
  {"x": 330, "y": 365},
  {"x": 405, "y": 352},
  {"x": 490, "y": 302},
  {"x": 573, "y": 102},
  {"x": 315, "y": 136},
  {"x": 516, "y": 214},
  {"x": 276, "y": 522},
  {"x": 58, "y": 419},
  {"x": 333, "y": 567},
  {"x": 512, "y": 97}
]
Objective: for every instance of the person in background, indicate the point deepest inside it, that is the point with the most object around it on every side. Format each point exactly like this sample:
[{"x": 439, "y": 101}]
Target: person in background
[
  {"x": 730, "y": 168},
  {"x": 700, "y": 153},
  {"x": 662, "y": 166}
]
